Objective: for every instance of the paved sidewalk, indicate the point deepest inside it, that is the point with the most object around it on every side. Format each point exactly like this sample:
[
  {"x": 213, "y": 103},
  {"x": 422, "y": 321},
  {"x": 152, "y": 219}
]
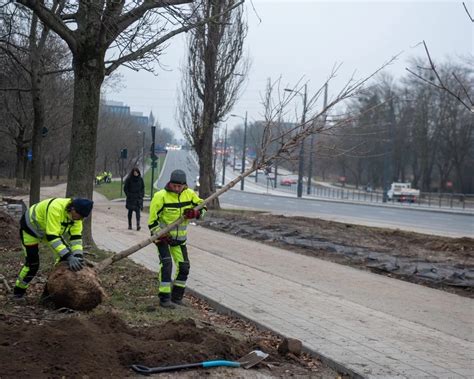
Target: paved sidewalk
[{"x": 371, "y": 325}]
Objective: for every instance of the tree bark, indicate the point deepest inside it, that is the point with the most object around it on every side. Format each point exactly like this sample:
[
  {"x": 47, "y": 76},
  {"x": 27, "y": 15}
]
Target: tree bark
[
  {"x": 20, "y": 159},
  {"x": 206, "y": 174},
  {"x": 38, "y": 125},
  {"x": 20, "y": 151},
  {"x": 89, "y": 75}
]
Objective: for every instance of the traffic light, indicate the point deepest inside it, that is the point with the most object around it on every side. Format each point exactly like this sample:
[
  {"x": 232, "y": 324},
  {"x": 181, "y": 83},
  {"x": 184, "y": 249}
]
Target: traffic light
[{"x": 123, "y": 154}]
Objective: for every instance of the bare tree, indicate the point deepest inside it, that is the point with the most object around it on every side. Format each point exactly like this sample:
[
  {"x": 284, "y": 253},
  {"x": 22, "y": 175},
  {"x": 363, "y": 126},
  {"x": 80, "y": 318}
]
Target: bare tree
[
  {"x": 32, "y": 48},
  {"x": 15, "y": 127},
  {"x": 406, "y": 130},
  {"x": 212, "y": 79},
  {"x": 133, "y": 33}
]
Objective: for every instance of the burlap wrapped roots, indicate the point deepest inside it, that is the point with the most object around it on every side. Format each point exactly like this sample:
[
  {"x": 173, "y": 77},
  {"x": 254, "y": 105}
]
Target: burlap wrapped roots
[{"x": 75, "y": 290}]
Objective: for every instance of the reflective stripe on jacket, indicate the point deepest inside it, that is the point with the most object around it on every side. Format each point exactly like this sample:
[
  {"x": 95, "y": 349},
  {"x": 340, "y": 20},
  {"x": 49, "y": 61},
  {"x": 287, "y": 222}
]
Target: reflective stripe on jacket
[
  {"x": 167, "y": 206},
  {"x": 49, "y": 219}
]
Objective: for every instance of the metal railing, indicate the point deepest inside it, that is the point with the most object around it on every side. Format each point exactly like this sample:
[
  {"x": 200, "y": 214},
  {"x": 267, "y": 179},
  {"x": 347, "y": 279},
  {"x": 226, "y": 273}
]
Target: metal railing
[{"x": 427, "y": 199}]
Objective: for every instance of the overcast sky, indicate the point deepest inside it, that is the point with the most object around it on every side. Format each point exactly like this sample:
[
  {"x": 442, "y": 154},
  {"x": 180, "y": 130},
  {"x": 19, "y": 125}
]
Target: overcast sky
[{"x": 304, "y": 39}]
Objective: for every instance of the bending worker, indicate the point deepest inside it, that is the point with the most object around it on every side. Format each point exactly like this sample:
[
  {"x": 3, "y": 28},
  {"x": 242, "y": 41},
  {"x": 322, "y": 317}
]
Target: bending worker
[
  {"x": 168, "y": 205},
  {"x": 52, "y": 220}
]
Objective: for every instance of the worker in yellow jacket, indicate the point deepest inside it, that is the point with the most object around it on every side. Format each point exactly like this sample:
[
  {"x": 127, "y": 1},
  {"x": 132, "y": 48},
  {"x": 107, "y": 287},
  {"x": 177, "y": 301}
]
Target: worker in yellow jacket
[
  {"x": 168, "y": 205},
  {"x": 58, "y": 222}
]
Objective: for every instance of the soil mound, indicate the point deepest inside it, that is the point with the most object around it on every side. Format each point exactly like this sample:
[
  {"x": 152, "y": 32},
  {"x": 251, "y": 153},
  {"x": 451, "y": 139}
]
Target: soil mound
[
  {"x": 105, "y": 346},
  {"x": 9, "y": 234}
]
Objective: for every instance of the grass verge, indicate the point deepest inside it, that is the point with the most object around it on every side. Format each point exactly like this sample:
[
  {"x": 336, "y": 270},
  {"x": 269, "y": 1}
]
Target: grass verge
[{"x": 112, "y": 190}]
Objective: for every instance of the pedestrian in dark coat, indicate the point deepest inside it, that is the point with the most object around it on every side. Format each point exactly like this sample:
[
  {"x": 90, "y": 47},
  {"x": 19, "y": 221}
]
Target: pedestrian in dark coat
[{"x": 134, "y": 189}]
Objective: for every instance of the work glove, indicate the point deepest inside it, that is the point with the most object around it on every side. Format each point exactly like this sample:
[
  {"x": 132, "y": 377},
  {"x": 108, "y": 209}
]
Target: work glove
[
  {"x": 164, "y": 239},
  {"x": 191, "y": 213},
  {"x": 75, "y": 262}
]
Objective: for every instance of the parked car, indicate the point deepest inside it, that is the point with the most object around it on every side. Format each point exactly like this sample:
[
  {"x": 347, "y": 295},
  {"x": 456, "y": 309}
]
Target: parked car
[{"x": 286, "y": 182}]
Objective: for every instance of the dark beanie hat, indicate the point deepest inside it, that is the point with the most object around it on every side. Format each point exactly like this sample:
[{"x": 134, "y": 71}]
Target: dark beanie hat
[
  {"x": 178, "y": 177},
  {"x": 83, "y": 206}
]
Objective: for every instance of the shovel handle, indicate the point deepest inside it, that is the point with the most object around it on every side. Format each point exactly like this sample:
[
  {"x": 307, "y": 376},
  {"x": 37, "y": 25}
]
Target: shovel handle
[
  {"x": 220, "y": 363},
  {"x": 154, "y": 370}
]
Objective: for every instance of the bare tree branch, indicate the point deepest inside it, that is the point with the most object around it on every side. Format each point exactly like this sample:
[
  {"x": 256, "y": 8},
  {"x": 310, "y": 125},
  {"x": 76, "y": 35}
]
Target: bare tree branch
[
  {"x": 467, "y": 11},
  {"x": 148, "y": 47},
  {"x": 469, "y": 104},
  {"x": 53, "y": 20}
]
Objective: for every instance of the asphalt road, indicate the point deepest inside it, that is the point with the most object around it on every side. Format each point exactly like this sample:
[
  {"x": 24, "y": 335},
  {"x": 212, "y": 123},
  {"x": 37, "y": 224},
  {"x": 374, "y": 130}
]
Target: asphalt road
[
  {"x": 178, "y": 159},
  {"x": 417, "y": 220},
  {"x": 423, "y": 221}
]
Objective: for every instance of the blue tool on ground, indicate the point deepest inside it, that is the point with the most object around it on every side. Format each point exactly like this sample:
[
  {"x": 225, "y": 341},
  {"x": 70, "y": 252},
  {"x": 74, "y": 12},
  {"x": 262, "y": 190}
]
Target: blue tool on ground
[{"x": 246, "y": 362}]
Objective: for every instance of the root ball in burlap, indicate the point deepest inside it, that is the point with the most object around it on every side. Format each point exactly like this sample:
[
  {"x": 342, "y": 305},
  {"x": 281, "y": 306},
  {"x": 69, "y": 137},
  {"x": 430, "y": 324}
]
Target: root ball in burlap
[{"x": 80, "y": 290}]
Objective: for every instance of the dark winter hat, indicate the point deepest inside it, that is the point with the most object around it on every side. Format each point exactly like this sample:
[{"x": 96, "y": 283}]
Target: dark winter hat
[
  {"x": 83, "y": 206},
  {"x": 178, "y": 177}
]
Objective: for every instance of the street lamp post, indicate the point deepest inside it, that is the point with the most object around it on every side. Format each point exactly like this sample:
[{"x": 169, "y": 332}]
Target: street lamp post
[
  {"x": 299, "y": 189},
  {"x": 387, "y": 167},
  {"x": 244, "y": 147},
  {"x": 153, "y": 159},
  {"x": 310, "y": 168},
  {"x": 243, "y": 152},
  {"x": 142, "y": 132},
  {"x": 224, "y": 156}
]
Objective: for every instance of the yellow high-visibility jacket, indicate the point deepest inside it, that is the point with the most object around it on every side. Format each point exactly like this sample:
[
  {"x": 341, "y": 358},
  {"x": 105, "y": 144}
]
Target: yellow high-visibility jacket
[
  {"x": 167, "y": 206},
  {"x": 49, "y": 220}
]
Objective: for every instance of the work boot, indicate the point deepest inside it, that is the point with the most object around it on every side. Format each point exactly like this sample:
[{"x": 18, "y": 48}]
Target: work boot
[
  {"x": 18, "y": 295},
  {"x": 178, "y": 302},
  {"x": 177, "y": 295},
  {"x": 167, "y": 304}
]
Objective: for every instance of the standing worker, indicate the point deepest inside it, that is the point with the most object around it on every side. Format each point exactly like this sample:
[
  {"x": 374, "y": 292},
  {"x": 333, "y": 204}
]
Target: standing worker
[
  {"x": 168, "y": 205},
  {"x": 134, "y": 189},
  {"x": 52, "y": 220}
]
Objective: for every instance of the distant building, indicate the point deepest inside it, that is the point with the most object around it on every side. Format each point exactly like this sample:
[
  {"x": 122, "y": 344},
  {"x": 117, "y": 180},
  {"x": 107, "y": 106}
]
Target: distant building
[
  {"x": 139, "y": 118},
  {"x": 120, "y": 109},
  {"x": 117, "y": 108}
]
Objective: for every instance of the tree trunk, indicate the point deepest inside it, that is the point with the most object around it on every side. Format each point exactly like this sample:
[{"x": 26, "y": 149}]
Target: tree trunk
[
  {"x": 58, "y": 167},
  {"x": 207, "y": 176},
  {"x": 20, "y": 152},
  {"x": 43, "y": 171},
  {"x": 89, "y": 75},
  {"x": 206, "y": 172},
  {"x": 36, "y": 77},
  {"x": 38, "y": 124},
  {"x": 51, "y": 169}
]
